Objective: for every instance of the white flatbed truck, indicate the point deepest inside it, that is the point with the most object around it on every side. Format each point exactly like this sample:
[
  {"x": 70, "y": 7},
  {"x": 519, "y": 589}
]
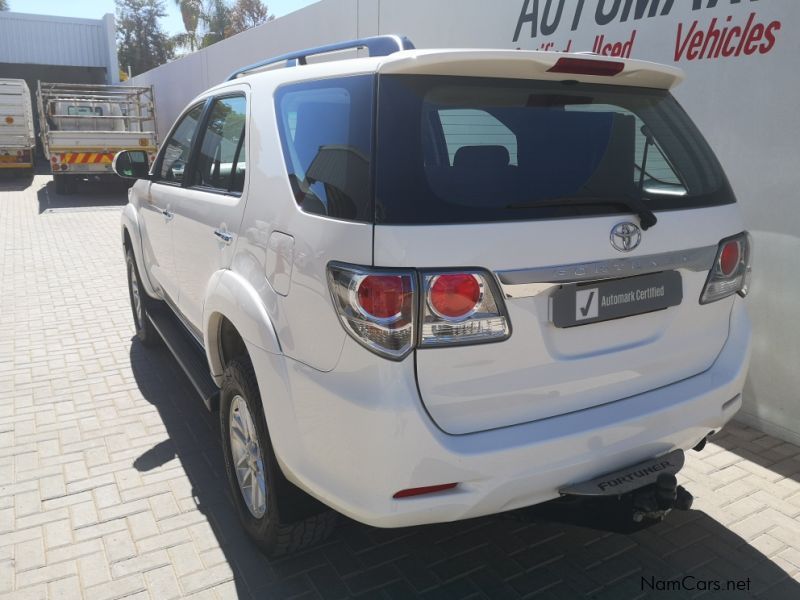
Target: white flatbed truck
[
  {"x": 17, "y": 139},
  {"x": 83, "y": 126}
]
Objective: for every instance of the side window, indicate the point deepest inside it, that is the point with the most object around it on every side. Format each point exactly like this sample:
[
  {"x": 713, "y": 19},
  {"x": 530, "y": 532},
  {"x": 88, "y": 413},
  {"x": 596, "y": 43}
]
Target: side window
[
  {"x": 471, "y": 127},
  {"x": 221, "y": 162},
  {"x": 326, "y": 136},
  {"x": 178, "y": 146}
]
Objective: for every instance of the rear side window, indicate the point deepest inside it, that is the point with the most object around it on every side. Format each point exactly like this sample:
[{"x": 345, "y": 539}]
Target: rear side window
[
  {"x": 326, "y": 135},
  {"x": 221, "y": 162},
  {"x": 460, "y": 149}
]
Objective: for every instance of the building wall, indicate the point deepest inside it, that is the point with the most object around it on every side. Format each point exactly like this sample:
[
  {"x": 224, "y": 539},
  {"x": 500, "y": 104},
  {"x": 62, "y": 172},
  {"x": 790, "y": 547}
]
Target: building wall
[
  {"x": 744, "y": 103},
  {"x": 61, "y": 41}
]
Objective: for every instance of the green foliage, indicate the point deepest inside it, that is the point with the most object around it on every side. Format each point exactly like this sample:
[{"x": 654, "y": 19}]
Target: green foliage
[
  {"x": 249, "y": 13},
  {"x": 207, "y": 22},
  {"x": 217, "y": 19},
  {"x": 191, "y": 13},
  {"x": 141, "y": 43},
  {"x": 3, "y": 5}
]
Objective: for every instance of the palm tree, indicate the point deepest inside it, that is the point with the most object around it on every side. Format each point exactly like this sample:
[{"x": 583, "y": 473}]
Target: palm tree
[{"x": 191, "y": 13}]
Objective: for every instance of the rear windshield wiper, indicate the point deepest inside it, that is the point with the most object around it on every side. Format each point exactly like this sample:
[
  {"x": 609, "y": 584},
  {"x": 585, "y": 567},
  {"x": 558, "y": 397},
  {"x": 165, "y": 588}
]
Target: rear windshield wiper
[{"x": 646, "y": 216}]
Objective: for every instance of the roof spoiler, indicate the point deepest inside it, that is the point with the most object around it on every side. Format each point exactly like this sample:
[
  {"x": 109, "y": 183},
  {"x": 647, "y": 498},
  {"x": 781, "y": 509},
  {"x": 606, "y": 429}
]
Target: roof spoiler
[{"x": 379, "y": 45}]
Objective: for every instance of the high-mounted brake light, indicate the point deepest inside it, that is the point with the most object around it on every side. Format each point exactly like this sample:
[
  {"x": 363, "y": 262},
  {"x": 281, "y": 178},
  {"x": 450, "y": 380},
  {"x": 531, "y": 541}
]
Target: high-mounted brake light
[
  {"x": 380, "y": 308},
  {"x": 587, "y": 66},
  {"x": 730, "y": 273}
]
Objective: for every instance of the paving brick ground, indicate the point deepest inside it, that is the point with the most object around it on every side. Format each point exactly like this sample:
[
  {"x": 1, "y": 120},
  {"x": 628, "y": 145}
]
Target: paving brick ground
[{"x": 111, "y": 479}]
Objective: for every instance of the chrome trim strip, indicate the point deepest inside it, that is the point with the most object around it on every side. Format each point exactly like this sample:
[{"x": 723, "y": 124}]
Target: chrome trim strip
[{"x": 525, "y": 283}]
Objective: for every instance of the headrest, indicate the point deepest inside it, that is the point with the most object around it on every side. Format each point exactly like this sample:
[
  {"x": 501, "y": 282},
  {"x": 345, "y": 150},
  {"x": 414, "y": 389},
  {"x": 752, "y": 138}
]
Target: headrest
[{"x": 481, "y": 157}]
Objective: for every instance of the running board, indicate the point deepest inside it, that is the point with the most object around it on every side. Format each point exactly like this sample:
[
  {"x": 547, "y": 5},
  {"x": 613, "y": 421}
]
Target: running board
[{"x": 189, "y": 354}]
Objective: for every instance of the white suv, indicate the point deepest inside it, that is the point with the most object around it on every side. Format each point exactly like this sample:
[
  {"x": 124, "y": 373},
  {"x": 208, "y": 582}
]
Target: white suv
[{"x": 427, "y": 285}]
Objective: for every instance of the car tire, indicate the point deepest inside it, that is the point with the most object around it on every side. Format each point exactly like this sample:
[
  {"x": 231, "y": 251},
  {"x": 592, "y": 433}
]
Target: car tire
[
  {"x": 140, "y": 301},
  {"x": 278, "y": 516}
]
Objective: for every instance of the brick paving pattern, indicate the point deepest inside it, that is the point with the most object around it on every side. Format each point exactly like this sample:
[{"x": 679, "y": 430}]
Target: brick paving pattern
[{"x": 112, "y": 485}]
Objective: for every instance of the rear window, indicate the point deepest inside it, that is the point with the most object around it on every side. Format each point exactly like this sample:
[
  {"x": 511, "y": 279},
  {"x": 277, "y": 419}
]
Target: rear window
[
  {"x": 326, "y": 134},
  {"x": 84, "y": 111},
  {"x": 458, "y": 149}
]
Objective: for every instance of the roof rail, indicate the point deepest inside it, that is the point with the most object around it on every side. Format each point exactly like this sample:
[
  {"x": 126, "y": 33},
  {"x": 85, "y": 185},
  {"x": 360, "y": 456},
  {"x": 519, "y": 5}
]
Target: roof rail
[{"x": 379, "y": 45}]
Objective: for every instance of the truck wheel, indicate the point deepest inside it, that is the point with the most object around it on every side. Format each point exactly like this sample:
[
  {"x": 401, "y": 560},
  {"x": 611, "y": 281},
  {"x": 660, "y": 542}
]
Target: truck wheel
[
  {"x": 58, "y": 182},
  {"x": 145, "y": 331},
  {"x": 278, "y": 516},
  {"x": 64, "y": 184}
]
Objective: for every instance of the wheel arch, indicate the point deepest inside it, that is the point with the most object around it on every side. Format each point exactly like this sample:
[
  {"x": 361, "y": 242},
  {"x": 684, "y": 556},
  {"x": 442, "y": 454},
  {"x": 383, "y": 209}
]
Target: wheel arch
[{"x": 234, "y": 318}]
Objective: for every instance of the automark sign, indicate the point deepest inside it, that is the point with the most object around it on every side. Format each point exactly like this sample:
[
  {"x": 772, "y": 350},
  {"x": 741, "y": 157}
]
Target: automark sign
[{"x": 706, "y": 34}]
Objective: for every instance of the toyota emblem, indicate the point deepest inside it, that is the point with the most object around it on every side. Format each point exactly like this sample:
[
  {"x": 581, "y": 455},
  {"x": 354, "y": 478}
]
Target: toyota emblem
[{"x": 626, "y": 236}]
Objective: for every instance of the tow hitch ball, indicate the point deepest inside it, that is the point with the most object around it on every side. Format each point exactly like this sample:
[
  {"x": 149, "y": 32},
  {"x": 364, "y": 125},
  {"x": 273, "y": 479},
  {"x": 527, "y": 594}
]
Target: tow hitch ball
[{"x": 655, "y": 501}]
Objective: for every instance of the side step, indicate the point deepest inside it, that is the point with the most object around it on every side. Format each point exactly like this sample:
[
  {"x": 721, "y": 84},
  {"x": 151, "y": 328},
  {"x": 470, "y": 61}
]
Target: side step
[{"x": 189, "y": 354}]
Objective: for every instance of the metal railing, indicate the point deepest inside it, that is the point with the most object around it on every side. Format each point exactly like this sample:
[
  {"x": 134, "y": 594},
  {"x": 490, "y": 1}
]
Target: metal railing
[{"x": 379, "y": 45}]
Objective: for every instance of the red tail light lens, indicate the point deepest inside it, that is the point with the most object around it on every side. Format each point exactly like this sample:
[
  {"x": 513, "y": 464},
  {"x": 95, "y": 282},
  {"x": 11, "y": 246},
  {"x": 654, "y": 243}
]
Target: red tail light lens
[
  {"x": 729, "y": 258},
  {"x": 587, "y": 66},
  {"x": 382, "y": 296},
  {"x": 455, "y": 296}
]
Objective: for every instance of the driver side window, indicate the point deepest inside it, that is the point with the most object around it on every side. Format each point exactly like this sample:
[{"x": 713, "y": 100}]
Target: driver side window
[{"x": 178, "y": 147}]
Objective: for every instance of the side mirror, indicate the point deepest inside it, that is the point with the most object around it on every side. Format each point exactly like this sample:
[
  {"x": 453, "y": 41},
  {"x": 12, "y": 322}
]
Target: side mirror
[{"x": 131, "y": 164}]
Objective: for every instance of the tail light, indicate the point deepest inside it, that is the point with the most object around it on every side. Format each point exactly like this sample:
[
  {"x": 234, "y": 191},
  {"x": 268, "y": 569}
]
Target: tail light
[
  {"x": 376, "y": 307},
  {"x": 381, "y": 310},
  {"x": 730, "y": 273},
  {"x": 461, "y": 308}
]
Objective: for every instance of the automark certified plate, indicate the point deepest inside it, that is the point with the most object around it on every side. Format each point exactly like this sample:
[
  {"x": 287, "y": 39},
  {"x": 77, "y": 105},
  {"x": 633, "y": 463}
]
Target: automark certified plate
[{"x": 580, "y": 304}]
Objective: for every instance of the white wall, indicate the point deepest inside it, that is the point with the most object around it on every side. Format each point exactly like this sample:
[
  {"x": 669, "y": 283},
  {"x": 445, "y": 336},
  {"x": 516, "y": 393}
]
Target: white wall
[
  {"x": 745, "y": 105},
  {"x": 46, "y": 40}
]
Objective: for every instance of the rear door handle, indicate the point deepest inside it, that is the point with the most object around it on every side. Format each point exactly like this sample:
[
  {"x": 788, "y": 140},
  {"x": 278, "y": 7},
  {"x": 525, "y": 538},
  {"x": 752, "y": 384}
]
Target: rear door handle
[
  {"x": 167, "y": 214},
  {"x": 223, "y": 235}
]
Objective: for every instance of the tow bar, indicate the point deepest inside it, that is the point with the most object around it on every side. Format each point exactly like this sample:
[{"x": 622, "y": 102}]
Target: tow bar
[{"x": 649, "y": 490}]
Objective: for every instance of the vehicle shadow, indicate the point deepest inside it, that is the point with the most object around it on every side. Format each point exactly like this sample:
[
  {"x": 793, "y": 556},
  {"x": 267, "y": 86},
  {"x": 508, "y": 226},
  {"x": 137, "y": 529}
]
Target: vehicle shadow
[
  {"x": 88, "y": 195},
  {"x": 536, "y": 551},
  {"x": 14, "y": 182}
]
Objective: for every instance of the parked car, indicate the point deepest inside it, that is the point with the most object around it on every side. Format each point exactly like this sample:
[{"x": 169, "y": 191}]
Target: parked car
[
  {"x": 17, "y": 140},
  {"x": 428, "y": 285},
  {"x": 82, "y": 127}
]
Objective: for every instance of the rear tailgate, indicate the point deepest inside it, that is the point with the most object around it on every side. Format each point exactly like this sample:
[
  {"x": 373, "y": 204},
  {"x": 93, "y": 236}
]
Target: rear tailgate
[
  {"x": 529, "y": 180},
  {"x": 16, "y": 125},
  {"x": 543, "y": 370}
]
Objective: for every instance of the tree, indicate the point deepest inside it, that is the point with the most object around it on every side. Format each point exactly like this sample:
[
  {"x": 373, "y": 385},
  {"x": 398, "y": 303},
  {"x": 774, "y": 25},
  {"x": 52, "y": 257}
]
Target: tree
[
  {"x": 3, "y": 5},
  {"x": 141, "y": 43},
  {"x": 217, "y": 19},
  {"x": 191, "y": 13},
  {"x": 248, "y": 13}
]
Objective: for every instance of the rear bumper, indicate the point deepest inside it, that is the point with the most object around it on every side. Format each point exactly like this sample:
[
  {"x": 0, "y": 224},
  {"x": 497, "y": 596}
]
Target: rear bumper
[{"x": 354, "y": 453}]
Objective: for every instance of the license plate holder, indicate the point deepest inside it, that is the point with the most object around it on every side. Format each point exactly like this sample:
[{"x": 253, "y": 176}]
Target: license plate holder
[{"x": 581, "y": 304}]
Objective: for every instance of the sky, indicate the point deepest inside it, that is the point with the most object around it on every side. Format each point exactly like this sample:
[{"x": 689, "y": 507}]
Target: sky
[{"x": 94, "y": 9}]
